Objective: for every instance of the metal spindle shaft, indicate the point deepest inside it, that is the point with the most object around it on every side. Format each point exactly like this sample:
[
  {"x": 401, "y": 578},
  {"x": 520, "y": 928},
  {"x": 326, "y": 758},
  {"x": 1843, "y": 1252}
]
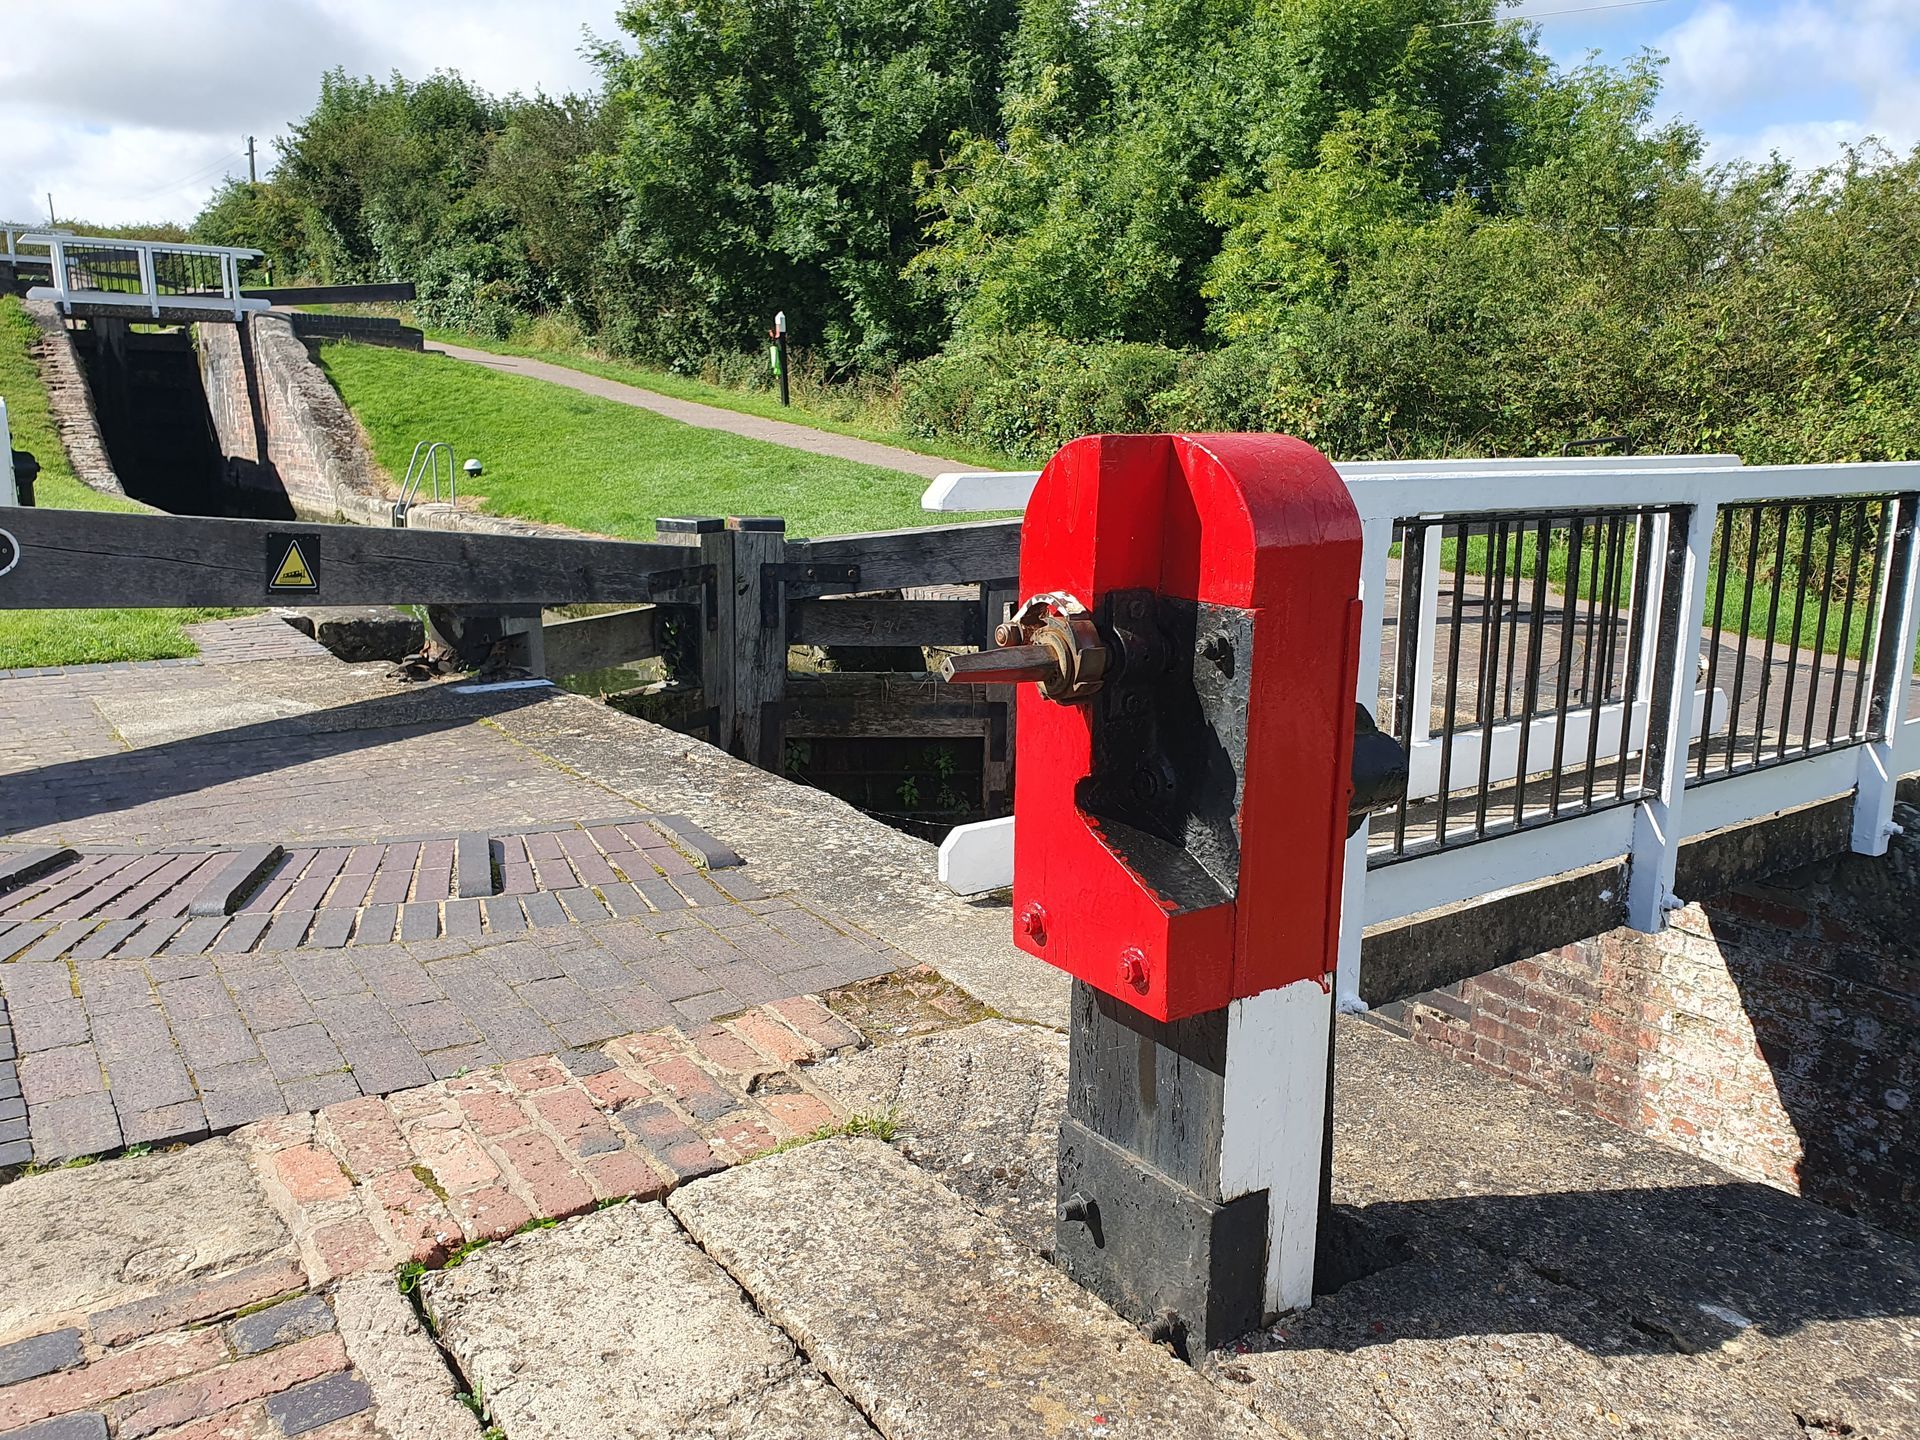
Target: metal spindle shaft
[{"x": 1008, "y": 665}]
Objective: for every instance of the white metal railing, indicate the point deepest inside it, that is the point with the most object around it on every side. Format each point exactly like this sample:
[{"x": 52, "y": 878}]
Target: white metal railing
[
  {"x": 1659, "y": 727},
  {"x": 16, "y": 233},
  {"x": 165, "y": 278}
]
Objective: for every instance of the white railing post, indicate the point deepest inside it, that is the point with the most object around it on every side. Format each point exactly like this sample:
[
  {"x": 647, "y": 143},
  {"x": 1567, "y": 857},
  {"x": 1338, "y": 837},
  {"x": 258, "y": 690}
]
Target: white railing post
[
  {"x": 149, "y": 281},
  {"x": 1880, "y": 757},
  {"x": 1376, "y": 539},
  {"x": 1676, "y": 602},
  {"x": 57, "y": 257},
  {"x": 9, "y": 490}
]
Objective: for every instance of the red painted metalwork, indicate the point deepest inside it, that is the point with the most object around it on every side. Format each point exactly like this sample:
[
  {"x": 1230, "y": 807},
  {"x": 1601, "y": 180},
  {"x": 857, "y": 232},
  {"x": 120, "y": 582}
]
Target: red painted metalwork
[{"x": 1261, "y": 523}]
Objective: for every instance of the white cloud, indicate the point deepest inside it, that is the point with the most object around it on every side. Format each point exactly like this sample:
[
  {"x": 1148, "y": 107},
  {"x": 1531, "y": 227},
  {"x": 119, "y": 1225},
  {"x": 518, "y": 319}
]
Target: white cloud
[
  {"x": 1803, "y": 77},
  {"x": 130, "y": 115}
]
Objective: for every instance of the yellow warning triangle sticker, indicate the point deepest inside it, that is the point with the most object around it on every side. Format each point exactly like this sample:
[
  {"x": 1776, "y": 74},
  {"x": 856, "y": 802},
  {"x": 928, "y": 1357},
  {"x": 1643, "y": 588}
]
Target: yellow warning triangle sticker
[{"x": 294, "y": 572}]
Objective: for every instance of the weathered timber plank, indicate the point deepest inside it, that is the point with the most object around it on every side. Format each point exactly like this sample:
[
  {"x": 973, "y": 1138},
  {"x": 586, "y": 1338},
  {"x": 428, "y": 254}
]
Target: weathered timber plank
[
  {"x": 825, "y": 706},
  {"x": 760, "y": 638},
  {"x": 884, "y": 622},
  {"x": 1155, "y": 1089},
  {"x": 935, "y": 555},
  {"x": 594, "y": 642},
  {"x": 82, "y": 558}
]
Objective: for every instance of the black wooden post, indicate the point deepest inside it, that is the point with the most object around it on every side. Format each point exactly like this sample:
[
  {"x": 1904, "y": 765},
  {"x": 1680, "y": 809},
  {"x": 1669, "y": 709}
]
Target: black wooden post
[
  {"x": 709, "y": 536},
  {"x": 760, "y": 638}
]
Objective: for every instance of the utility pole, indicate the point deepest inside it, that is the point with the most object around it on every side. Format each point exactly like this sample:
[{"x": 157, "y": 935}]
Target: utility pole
[
  {"x": 50, "y": 210},
  {"x": 252, "y": 178}
]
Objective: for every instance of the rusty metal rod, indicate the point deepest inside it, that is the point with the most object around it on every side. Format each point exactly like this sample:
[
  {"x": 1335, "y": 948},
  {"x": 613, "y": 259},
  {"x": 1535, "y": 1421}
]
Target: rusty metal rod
[{"x": 1008, "y": 665}]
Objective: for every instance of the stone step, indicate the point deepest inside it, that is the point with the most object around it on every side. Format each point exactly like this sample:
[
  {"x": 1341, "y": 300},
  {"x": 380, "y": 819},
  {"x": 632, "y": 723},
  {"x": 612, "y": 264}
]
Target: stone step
[
  {"x": 615, "y": 1325},
  {"x": 930, "y": 1317}
]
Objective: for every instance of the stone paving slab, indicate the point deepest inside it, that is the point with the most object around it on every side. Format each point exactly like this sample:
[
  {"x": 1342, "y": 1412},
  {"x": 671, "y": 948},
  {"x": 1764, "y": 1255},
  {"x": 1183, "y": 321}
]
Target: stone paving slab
[
  {"x": 931, "y": 1317},
  {"x": 83, "y": 1242},
  {"x": 616, "y": 1326},
  {"x": 1534, "y": 1272}
]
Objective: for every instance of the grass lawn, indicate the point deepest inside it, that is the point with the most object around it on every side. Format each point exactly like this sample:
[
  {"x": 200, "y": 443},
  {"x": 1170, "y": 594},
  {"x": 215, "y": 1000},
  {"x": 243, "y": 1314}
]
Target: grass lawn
[
  {"x": 848, "y": 417},
  {"x": 556, "y": 455},
  {"x": 70, "y": 637},
  {"x": 764, "y": 404}
]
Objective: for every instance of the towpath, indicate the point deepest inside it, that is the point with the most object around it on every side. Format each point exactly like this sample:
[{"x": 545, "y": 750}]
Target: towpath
[{"x": 711, "y": 417}]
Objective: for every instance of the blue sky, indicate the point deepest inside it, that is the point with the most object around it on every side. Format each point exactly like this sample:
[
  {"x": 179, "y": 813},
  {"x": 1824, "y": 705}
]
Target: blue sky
[
  {"x": 1797, "y": 76},
  {"x": 107, "y": 114}
]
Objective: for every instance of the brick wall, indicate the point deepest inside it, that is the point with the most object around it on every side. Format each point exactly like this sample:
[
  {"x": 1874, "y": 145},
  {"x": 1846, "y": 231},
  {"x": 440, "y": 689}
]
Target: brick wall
[
  {"x": 1774, "y": 1030},
  {"x": 285, "y": 431},
  {"x": 71, "y": 401}
]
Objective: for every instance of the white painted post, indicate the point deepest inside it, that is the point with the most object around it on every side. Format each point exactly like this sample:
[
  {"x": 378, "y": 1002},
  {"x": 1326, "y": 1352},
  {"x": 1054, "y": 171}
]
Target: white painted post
[
  {"x": 1880, "y": 760},
  {"x": 1376, "y": 539},
  {"x": 1273, "y": 1126},
  {"x": 57, "y": 255},
  {"x": 149, "y": 282},
  {"x": 1657, "y": 828},
  {"x": 9, "y": 491}
]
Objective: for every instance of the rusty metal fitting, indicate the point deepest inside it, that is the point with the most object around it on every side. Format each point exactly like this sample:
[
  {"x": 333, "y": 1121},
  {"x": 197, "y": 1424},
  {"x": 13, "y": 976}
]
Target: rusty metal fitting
[{"x": 1051, "y": 640}]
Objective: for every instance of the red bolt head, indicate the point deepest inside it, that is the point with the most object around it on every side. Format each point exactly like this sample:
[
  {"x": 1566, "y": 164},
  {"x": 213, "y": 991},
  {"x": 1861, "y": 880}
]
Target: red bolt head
[
  {"x": 1133, "y": 969},
  {"x": 1033, "y": 922}
]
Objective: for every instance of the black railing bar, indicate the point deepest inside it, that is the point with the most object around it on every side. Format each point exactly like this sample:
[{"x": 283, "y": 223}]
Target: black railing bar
[
  {"x": 1500, "y": 830},
  {"x": 1846, "y": 616},
  {"x": 1490, "y": 676},
  {"x": 1773, "y": 624},
  {"x": 1530, "y": 690},
  {"x": 1793, "y": 643},
  {"x": 1648, "y": 524},
  {"x": 1868, "y": 659},
  {"x": 1447, "y": 724},
  {"x": 1830, "y": 515},
  {"x": 1569, "y": 629},
  {"x": 1609, "y": 632},
  {"x": 1589, "y": 658},
  {"x": 1713, "y": 647},
  {"x": 1746, "y": 619}
]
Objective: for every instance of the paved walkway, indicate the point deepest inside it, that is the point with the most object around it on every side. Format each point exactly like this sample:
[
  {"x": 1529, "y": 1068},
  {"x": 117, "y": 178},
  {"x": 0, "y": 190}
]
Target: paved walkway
[
  {"x": 268, "y": 881},
  {"x": 712, "y": 417}
]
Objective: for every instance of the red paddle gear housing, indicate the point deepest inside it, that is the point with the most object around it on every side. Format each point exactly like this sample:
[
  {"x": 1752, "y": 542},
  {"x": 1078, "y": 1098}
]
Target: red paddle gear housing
[{"x": 1184, "y": 771}]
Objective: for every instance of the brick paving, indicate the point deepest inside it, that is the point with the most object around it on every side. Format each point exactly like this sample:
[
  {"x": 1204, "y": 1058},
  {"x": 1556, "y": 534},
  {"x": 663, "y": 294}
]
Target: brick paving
[
  {"x": 250, "y": 638},
  {"x": 210, "y": 1030},
  {"x": 244, "y": 1354},
  {"x": 266, "y": 1348},
  {"x": 245, "y": 928},
  {"x": 371, "y": 1184}
]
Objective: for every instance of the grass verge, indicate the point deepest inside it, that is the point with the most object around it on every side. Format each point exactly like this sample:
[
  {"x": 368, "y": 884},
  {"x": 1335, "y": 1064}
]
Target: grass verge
[
  {"x": 840, "y": 409},
  {"x": 556, "y": 455},
  {"x": 31, "y": 638}
]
